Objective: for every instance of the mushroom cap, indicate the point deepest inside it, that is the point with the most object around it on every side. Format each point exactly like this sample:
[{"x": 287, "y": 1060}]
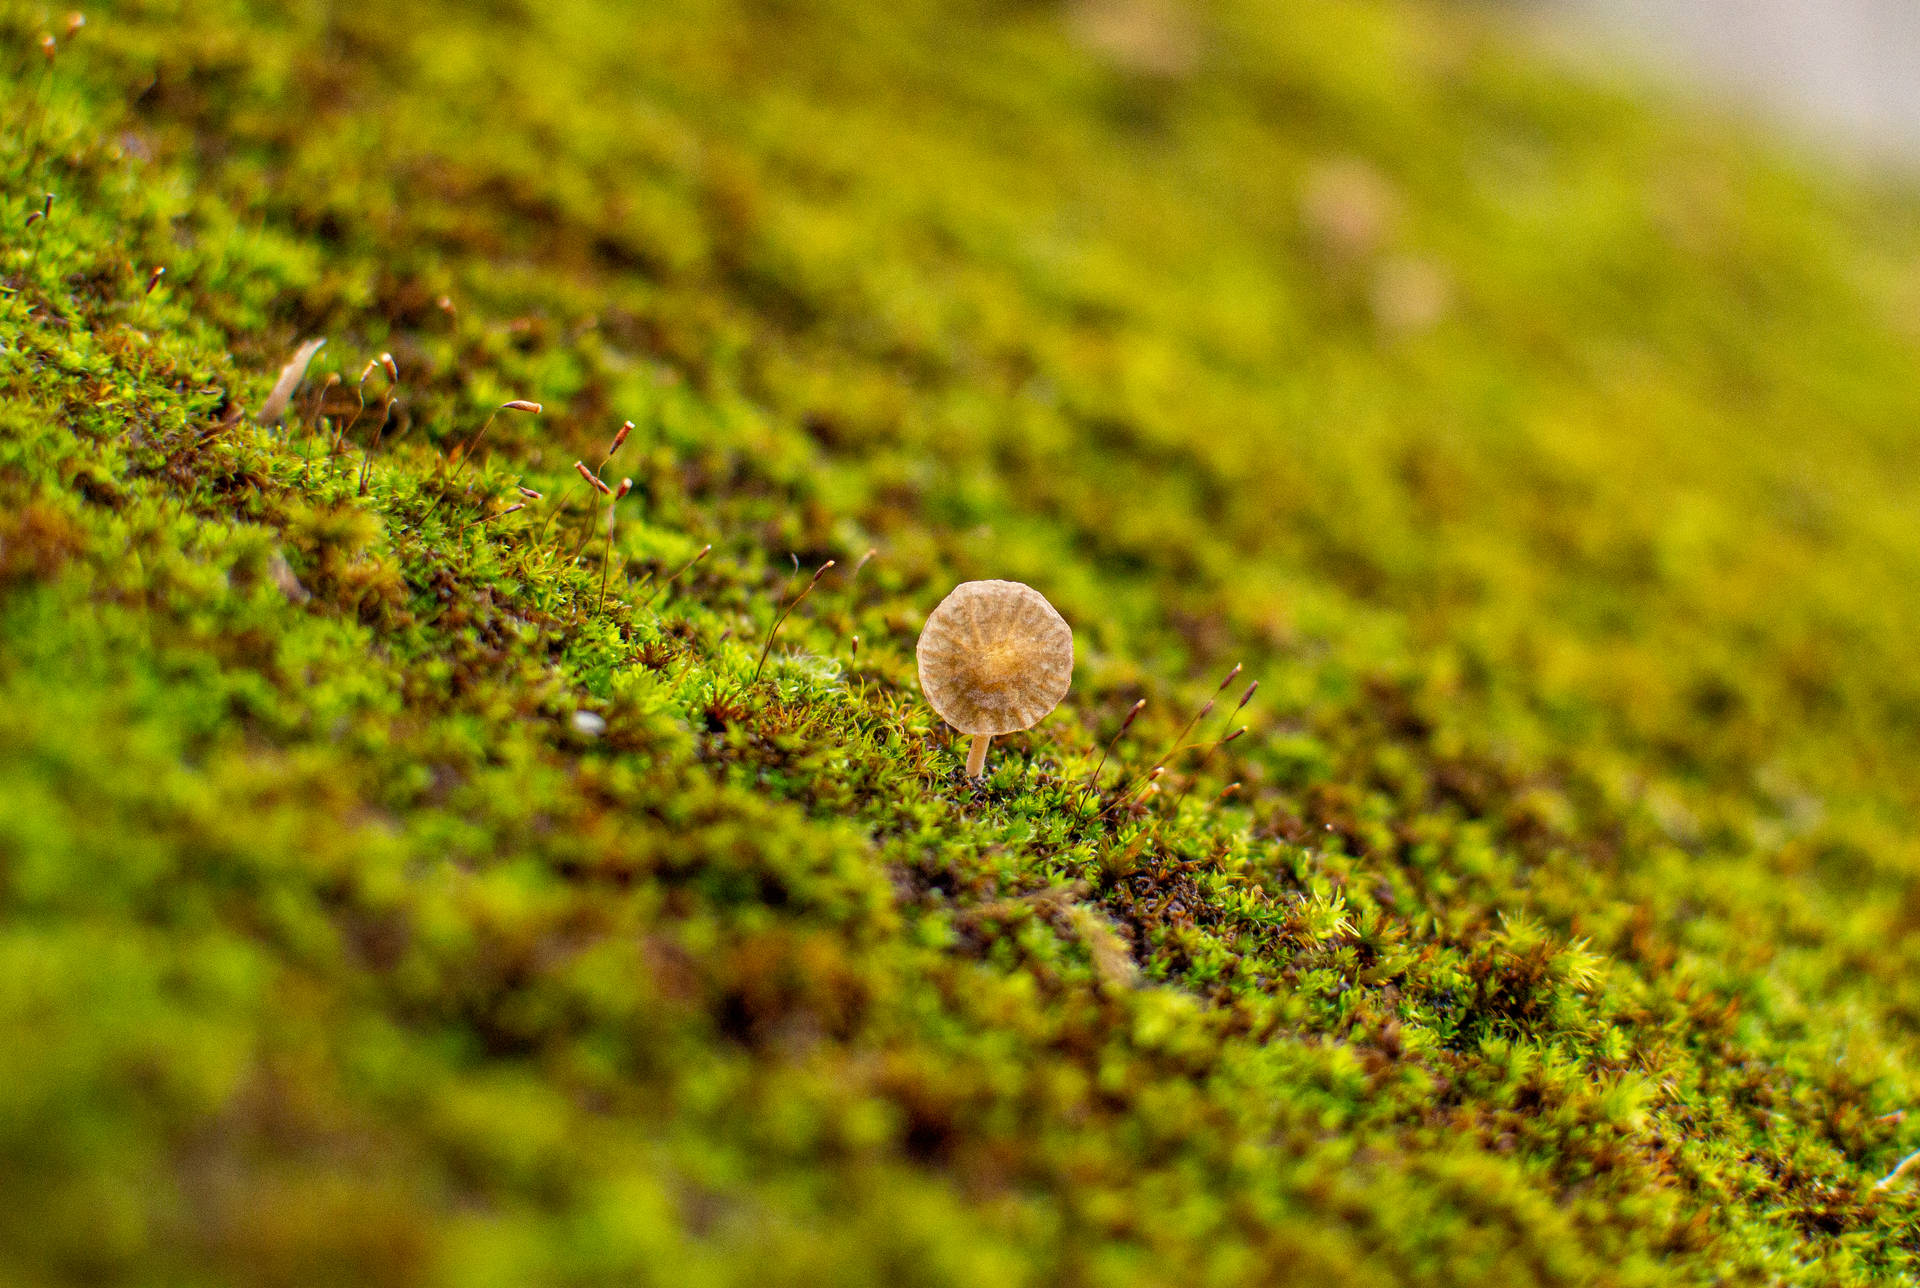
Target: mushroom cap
[{"x": 995, "y": 657}]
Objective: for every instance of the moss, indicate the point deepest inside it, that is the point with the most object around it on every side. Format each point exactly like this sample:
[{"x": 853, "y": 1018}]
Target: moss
[{"x": 377, "y": 905}]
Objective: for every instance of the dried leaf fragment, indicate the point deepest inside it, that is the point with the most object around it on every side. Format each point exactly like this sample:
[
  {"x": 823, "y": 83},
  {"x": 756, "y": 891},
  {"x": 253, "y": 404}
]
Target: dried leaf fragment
[{"x": 290, "y": 377}]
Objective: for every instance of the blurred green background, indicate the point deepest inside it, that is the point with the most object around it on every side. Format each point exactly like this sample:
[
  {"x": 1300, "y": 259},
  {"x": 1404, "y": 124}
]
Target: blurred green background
[{"x": 401, "y": 888}]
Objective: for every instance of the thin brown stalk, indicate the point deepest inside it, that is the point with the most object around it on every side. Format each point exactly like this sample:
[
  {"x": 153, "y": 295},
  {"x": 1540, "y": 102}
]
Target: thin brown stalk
[
  {"x": 28, "y": 277},
  {"x": 846, "y": 613},
  {"x": 592, "y": 476},
  {"x": 606, "y": 564},
  {"x": 340, "y": 435},
  {"x": 386, "y": 414},
  {"x": 1145, "y": 785},
  {"x": 466, "y": 452},
  {"x": 1218, "y": 743},
  {"x": 41, "y": 215},
  {"x": 784, "y": 614},
  {"x": 1093, "y": 779},
  {"x": 1180, "y": 740},
  {"x": 50, "y": 49},
  {"x": 704, "y": 552},
  {"x": 373, "y": 440},
  {"x": 599, "y": 485},
  {"x": 553, "y": 513},
  {"x": 316, "y": 409},
  {"x": 488, "y": 518}
]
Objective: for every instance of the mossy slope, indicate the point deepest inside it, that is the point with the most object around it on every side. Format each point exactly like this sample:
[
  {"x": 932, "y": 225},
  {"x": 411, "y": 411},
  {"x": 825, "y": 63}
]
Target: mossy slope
[{"x": 394, "y": 889}]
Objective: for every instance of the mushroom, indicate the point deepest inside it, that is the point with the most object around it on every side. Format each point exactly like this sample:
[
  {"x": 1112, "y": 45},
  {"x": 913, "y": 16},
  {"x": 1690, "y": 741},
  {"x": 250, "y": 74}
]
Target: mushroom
[{"x": 994, "y": 659}]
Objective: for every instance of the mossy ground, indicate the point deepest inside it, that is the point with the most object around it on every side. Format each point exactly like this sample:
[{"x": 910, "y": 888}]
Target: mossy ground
[{"x": 1545, "y": 457}]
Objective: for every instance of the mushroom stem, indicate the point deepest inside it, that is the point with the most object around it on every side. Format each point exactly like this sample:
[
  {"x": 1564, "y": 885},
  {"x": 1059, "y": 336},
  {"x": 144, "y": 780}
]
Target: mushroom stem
[{"x": 977, "y": 757}]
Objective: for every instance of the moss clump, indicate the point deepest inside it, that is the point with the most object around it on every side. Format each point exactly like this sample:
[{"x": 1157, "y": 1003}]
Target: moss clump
[{"x": 378, "y": 906}]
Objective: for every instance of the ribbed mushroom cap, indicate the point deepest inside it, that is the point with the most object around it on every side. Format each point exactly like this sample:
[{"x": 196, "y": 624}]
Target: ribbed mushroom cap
[{"x": 995, "y": 657}]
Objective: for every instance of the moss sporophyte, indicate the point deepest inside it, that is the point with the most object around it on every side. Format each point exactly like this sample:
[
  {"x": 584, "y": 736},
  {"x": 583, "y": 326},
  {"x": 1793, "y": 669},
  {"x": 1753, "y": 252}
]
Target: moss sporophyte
[{"x": 995, "y": 658}]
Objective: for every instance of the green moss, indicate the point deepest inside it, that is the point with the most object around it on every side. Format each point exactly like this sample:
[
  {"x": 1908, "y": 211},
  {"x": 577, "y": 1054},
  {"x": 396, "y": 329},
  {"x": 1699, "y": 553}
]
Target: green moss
[{"x": 1541, "y": 454}]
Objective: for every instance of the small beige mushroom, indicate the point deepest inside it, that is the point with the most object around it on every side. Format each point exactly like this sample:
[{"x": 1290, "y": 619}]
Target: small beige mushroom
[{"x": 994, "y": 659}]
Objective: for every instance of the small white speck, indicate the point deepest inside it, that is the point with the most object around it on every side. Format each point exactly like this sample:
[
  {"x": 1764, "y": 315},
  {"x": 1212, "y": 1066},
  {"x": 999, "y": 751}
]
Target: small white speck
[{"x": 587, "y": 723}]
